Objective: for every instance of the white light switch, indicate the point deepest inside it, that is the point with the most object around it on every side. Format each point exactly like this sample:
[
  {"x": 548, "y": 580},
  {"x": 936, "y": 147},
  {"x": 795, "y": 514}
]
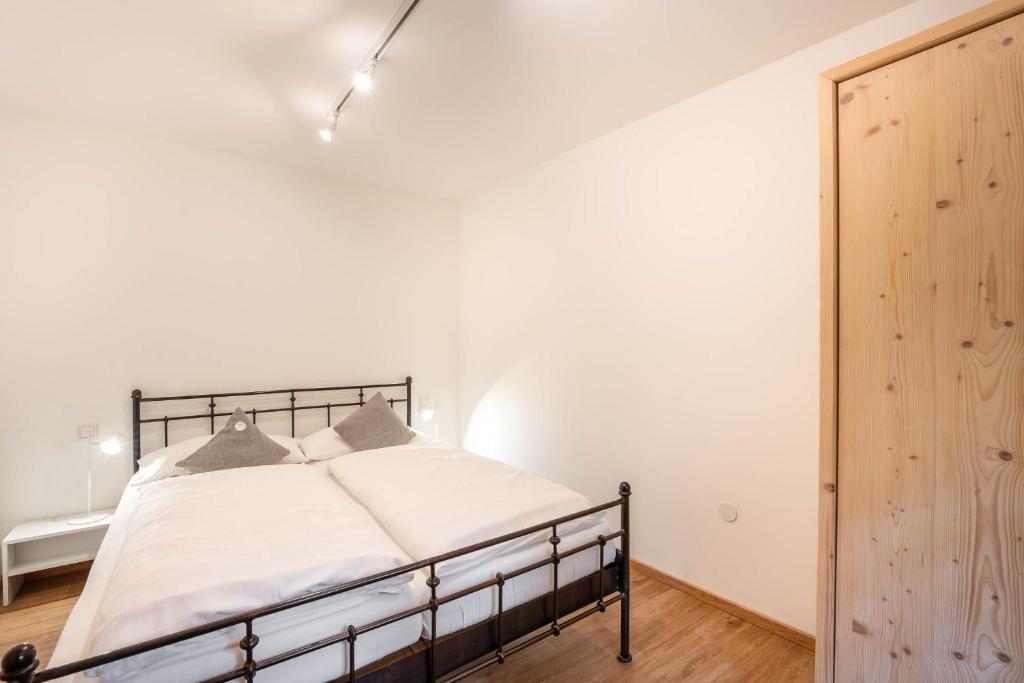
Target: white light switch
[{"x": 87, "y": 431}]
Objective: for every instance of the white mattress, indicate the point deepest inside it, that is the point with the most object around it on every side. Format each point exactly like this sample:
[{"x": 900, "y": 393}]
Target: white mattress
[
  {"x": 481, "y": 605},
  {"x": 434, "y": 497},
  {"x": 217, "y": 653}
]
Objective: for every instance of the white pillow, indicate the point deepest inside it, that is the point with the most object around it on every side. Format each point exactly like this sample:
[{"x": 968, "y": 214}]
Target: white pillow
[
  {"x": 163, "y": 462},
  {"x": 324, "y": 445},
  {"x": 295, "y": 455}
]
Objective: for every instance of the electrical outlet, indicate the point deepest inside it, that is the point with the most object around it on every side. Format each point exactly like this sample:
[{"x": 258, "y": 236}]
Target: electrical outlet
[{"x": 87, "y": 431}]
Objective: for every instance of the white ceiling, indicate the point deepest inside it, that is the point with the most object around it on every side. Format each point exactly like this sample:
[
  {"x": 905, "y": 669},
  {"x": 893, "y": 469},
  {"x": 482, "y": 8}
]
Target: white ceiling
[{"x": 471, "y": 91}]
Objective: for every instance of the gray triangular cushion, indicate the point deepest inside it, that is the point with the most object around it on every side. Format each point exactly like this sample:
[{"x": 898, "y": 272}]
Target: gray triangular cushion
[
  {"x": 239, "y": 444},
  {"x": 374, "y": 425}
]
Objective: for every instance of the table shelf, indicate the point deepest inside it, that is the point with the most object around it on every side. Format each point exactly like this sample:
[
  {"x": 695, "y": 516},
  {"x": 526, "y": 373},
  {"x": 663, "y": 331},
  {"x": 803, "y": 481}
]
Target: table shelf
[
  {"x": 49, "y": 563},
  {"x": 48, "y": 543}
]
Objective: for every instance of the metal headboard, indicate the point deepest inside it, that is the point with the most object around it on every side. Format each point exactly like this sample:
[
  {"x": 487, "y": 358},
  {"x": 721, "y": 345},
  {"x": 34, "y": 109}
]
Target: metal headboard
[{"x": 212, "y": 414}]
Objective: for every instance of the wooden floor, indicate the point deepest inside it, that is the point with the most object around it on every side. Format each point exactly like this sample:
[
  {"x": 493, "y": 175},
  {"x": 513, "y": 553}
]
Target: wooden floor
[
  {"x": 38, "y": 614},
  {"x": 675, "y": 638}
]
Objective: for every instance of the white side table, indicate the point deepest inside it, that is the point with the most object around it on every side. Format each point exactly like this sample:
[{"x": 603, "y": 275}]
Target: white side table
[{"x": 46, "y": 543}]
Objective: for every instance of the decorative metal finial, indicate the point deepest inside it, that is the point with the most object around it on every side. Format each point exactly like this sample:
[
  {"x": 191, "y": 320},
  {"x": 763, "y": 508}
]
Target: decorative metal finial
[{"x": 19, "y": 663}]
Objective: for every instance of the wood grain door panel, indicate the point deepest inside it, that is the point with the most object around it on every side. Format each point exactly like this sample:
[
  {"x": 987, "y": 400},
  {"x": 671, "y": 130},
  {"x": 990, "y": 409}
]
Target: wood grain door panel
[{"x": 930, "y": 531}]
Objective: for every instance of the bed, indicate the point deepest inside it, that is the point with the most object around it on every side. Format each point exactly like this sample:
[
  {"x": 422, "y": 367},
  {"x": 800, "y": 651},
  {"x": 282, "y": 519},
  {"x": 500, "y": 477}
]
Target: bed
[{"x": 420, "y": 562}]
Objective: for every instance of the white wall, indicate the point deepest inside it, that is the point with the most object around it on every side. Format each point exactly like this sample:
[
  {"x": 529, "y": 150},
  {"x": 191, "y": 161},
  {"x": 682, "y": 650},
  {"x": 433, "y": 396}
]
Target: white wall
[
  {"x": 128, "y": 262},
  {"x": 645, "y": 308}
]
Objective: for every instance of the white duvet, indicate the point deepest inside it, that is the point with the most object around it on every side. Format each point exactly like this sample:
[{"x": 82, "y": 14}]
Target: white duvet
[
  {"x": 205, "y": 546},
  {"x": 433, "y": 498}
]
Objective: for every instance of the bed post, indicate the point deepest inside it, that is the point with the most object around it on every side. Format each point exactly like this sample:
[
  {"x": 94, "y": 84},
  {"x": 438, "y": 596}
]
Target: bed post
[
  {"x": 19, "y": 664},
  {"x": 624, "y": 656},
  {"x": 137, "y": 429},
  {"x": 408, "y": 401}
]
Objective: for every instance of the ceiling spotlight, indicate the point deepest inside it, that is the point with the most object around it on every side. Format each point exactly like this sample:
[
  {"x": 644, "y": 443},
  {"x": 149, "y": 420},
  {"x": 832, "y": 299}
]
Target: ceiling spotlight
[
  {"x": 364, "y": 79},
  {"x": 327, "y": 133}
]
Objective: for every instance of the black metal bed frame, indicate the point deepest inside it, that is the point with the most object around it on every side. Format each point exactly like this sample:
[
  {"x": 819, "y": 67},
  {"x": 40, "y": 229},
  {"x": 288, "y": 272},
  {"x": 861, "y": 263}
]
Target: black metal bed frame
[{"x": 533, "y": 621}]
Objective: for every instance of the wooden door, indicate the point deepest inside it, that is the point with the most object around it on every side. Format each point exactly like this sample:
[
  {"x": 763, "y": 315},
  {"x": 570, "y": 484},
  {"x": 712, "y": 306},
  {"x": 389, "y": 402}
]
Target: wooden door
[{"x": 930, "y": 501}]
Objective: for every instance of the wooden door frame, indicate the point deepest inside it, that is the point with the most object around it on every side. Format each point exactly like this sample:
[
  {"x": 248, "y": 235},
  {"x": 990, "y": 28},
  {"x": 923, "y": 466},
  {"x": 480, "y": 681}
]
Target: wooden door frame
[{"x": 828, "y": 86}]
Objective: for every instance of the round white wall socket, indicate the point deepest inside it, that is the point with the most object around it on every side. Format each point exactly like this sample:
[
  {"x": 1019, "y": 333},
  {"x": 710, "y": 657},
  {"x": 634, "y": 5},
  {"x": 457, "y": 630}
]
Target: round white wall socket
[{"x": 728, "y": 512}]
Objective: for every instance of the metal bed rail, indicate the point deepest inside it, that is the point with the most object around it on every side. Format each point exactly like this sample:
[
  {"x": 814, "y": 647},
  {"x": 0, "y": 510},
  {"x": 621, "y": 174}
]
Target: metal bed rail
[{"x": 20, "y": 664}]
